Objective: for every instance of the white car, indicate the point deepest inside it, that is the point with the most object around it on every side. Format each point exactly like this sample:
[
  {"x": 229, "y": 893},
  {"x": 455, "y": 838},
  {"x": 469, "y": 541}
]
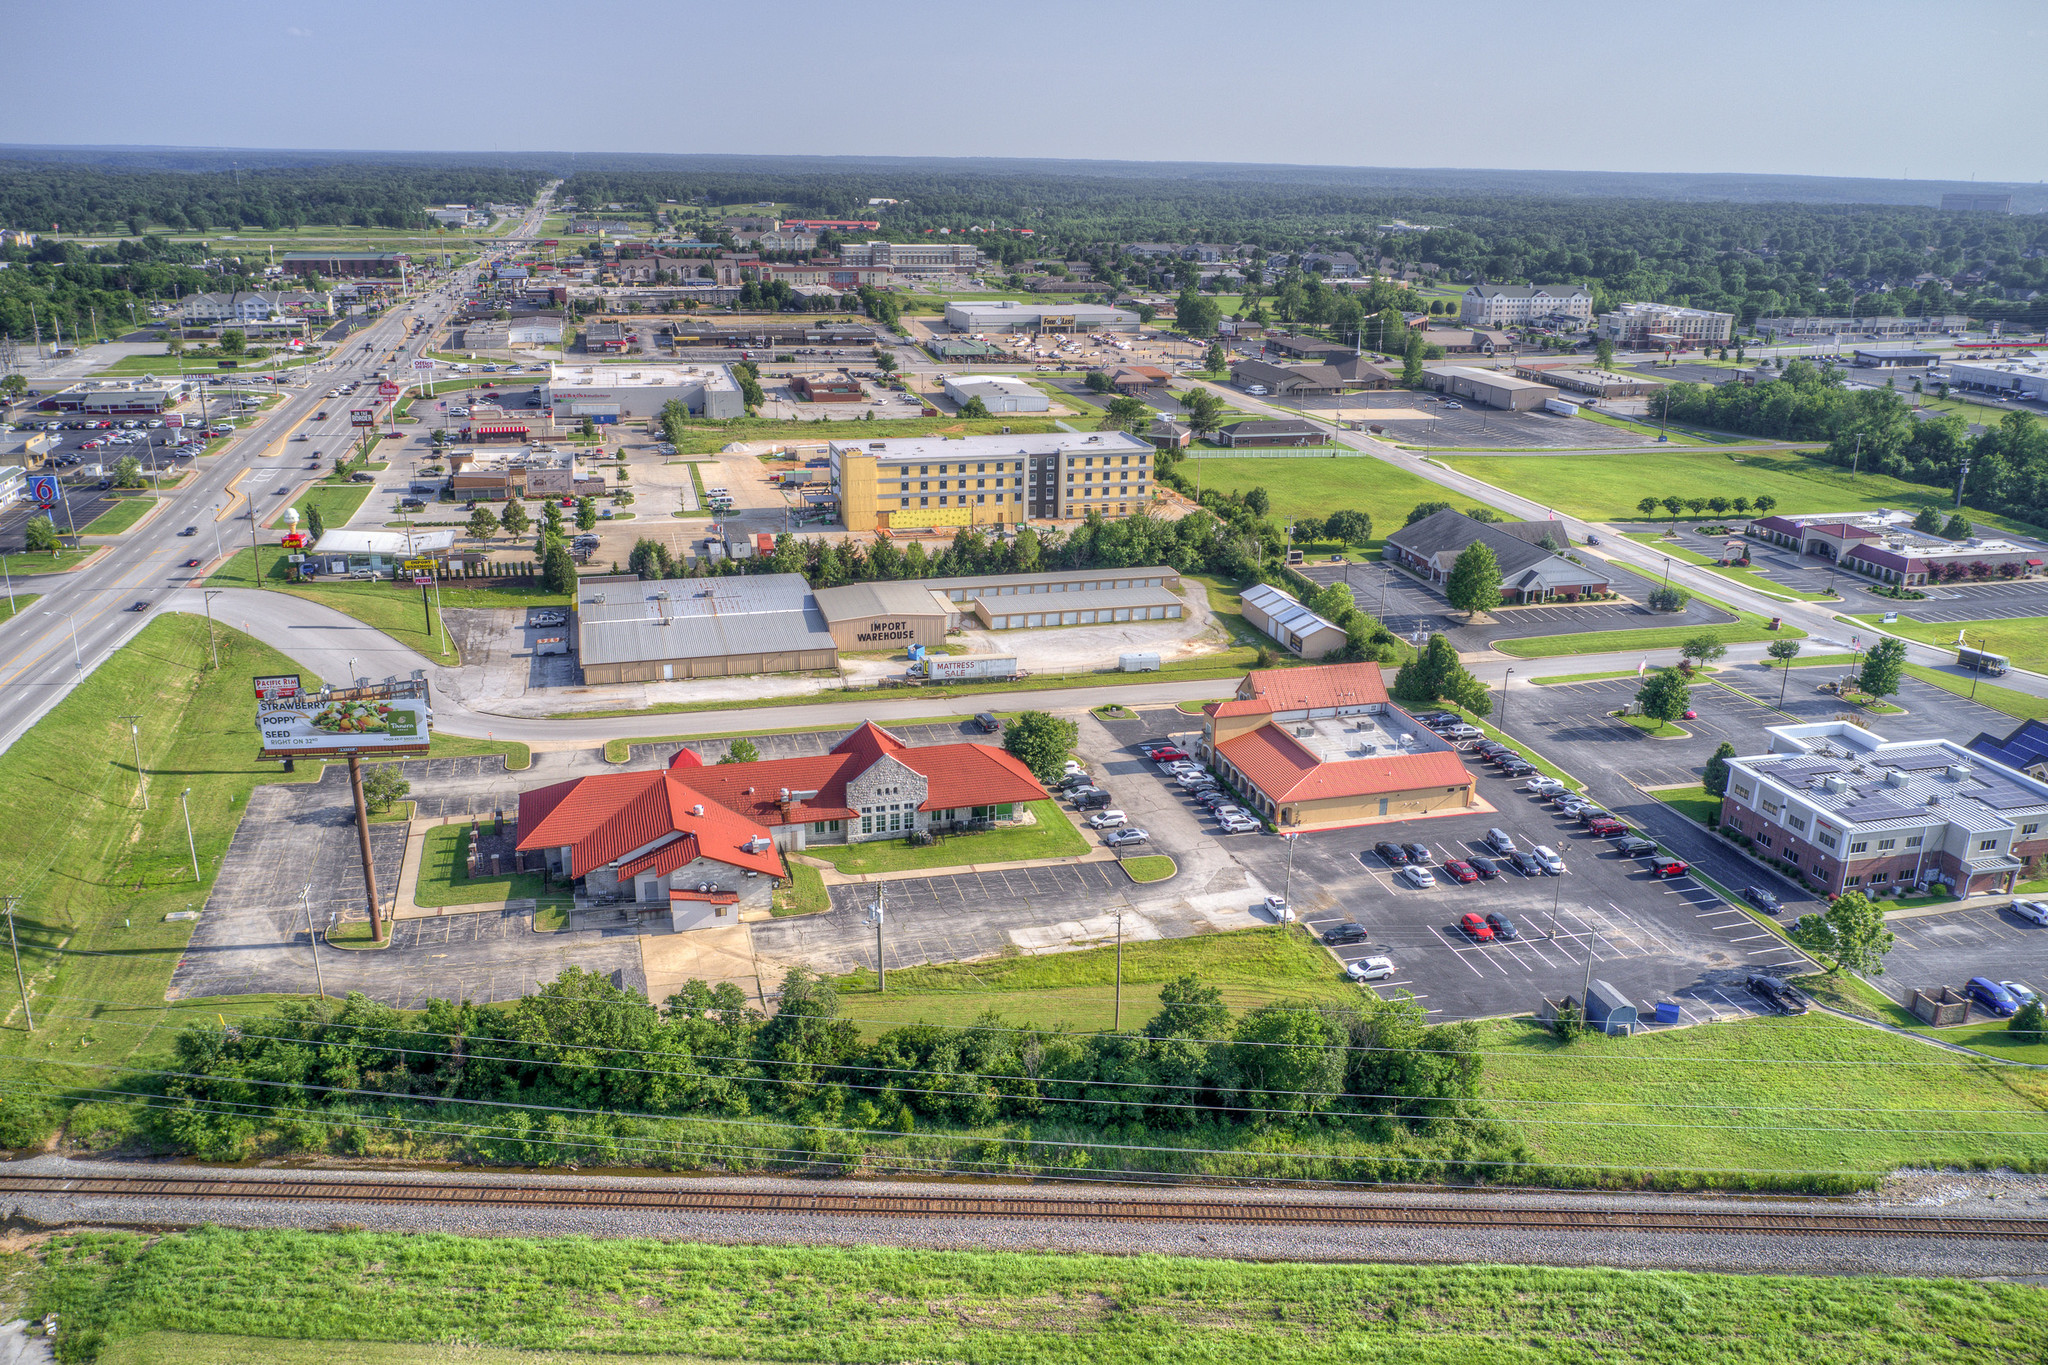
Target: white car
[
  {"x": 1279, "y": 909},
  {"x": 1417, "y": 876},
  {"x": 1546, "y": 857},
  {"x": 1239, "y": 824},
  {"x": 1108, "y": 819},
  {"x": 2037, "y": 911},
  {"x": 1370, "y": 969},
  {"x": 1543, "y": 786}
]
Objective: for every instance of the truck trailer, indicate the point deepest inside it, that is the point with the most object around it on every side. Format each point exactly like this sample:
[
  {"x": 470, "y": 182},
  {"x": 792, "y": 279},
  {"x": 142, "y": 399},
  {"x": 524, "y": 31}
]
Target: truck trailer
[{"x": 966, "y": 667}]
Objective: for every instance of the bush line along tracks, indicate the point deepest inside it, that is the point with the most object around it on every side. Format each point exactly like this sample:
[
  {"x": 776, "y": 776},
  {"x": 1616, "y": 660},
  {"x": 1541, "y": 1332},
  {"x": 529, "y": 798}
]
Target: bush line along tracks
[{"x": 1046, "y": 1207}]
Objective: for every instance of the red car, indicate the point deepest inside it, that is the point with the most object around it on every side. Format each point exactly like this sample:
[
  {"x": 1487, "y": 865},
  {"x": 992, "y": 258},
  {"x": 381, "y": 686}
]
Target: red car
[
  {"x": 1460, "y": 871},
  {"x": 1166, "y": 754},
  {"x": 1670, "y": 867},
  {"x": 1606, "y": 829},
  {"x": 1476, "y": 928},
  {"x": 1691, "y": 715},
  {"x": 191, "y": 563}
]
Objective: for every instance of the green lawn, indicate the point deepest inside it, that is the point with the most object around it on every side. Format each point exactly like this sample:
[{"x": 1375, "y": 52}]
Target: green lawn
[
  {"x": 118, "y": 518},
  {"x": 1656, "y": 729},
  {"x": 95, "y": 872},
  {"x": 1691, "y": 802},
  {"x": 1054, "y": 836},
  {"x": 1812, "y": 1094},
  {"x": 1149, "y": 867},
  {"x": 1676, "y": 435},
  {"x": 805, "y": 894},
  {"x": 1563, "y": 678},
  {"x": 441, "y": 879},
  {"x": 1318, "y": 486},
  {"x": 1747, "y": 577},
  {"x": 2019, "y": 705},
  {"x": 1607, "y": 487},
  {"x": 1747, "y": 628},
  {"x": 2023, "y": 639},
  {"x": 12, "y": 605},
  {"x": 337, "y": 503},
  {"x": 26, "y": 565},
  {"x": 1077, "y": 990},
  {"x": 340, "y": 1293},
  {"x": 164, "y": 364}
]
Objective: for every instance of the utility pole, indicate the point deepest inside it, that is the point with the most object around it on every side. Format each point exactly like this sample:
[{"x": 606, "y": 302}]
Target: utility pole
[
  {"x": 877, "y": 913},
  {"x": 14, "y": 947},
  {"x": 185, "y": 800},
  {"x": 211, "y": 643},
  {"x": 135, "y": 732},
  {"x": 1117, "y": 1018},
  {"x": 255, "y": 547},
  {"x": 355, "y": 782},
  {"x": 313, "y": 938},
  {"x": 1504, "y": 698}
]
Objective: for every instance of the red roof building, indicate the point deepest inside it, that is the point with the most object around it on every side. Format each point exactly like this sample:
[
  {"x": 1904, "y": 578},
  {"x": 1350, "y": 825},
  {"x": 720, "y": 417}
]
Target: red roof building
[
  {"x": 713, "y": 829},
  {"x": 1324, "y": 747}
]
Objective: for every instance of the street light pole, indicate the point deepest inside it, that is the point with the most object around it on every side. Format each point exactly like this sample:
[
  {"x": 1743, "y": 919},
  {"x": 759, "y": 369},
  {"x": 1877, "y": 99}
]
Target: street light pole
[
  {"x": 1504, "y": 698},
  {"x": 77, "y": 655},
  {"x": 185, "y": 800},
  {"x": 1117, "y": 1017},
  {"x": 135, "y": 732},
  {"x": 313, "y": 938},
  {"x": 877, "y": 914},
  {"x": 14, "y": 947}
]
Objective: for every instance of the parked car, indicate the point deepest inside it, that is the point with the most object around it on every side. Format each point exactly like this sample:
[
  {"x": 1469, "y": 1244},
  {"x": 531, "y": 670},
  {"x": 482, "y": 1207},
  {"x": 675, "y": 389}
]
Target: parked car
[
  {"x": 1634, "y": 846},
  {"x": 1108, "y": 819},
  {"x": 1546, "y": 858},
  {"x": 1370, "y": 969},
  {"x": 1460, "y": 871},
  {"x": 1544, "y": 786},
  {"x": 1500, "y": 841},
  {"x": 1588, "y": 814},
  {"x": 1779, "y": 995},
  {"x": 1503, "y": 927},
  {"x": 1517, "y": 767},
  {"x": 2021, "y": 991},
  {"x": 1421, "y": 878},
  {"x": 1240, "y": 824},
  {"x": 1992, "y": 997},
  {"x": 1167, "y": 754},
  {"x": 987, "y": 723},
  {"x": 1605, "y": 827},
  {"x": 1350, "y": 931},
  {"x": 1762, "y": 899},
  {"x": 1476, "y": 928},
  {"x": 1117, "y": 838},
  {"x": 1524, "y": 862},
  {"x": 1570, "y": 806},
  {"x": 2036, "y": 911},
  {"x": 1666, "y": 866},
  {"x": 1419, "y": 854},
  {"x": 1487, "y": 868},
  {"x": 1393, "y": 855}
]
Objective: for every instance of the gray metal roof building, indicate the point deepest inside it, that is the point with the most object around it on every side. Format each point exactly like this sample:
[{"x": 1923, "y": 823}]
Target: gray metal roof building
[{"x": 634, "y": 630}]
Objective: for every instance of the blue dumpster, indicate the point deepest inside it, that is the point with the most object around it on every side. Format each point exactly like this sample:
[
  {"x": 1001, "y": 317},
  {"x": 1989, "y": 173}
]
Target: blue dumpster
[{"x": 1667, "y": 1011}]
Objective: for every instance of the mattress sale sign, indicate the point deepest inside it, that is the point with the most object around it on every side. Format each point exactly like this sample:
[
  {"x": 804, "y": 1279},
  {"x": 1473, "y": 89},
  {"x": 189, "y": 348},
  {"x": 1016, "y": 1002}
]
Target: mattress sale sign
[{"x": 389, "y": 718}]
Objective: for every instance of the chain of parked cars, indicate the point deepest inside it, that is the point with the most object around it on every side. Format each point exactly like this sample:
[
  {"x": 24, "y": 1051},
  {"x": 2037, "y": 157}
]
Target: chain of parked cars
[{"x": 1201, "y": 786}]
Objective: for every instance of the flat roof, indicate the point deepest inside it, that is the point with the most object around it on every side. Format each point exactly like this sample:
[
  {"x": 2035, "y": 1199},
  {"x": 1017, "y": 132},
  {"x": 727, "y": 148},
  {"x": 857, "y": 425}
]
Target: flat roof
[
  {"x": 881, "y": 599},
  {"x": 1033, "y": 580},
  {"x": 1477, "y": 375},
  {"x": 936, "y": 448},
  {"x": 694, "y": 618},
  {"x": 342, "y": 541},
  {"x": 1101, "y": 599},
  {"x": 640, "y": 376}
]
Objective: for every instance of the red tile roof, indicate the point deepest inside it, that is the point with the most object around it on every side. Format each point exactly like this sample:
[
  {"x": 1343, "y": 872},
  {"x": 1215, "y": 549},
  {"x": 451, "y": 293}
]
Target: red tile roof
[
  {"x": 676, "y": 853},
  {"x": 1285, "y": 771},
  {"x": 1265, "y": 690},
  {"x": 608, "y": 817},
  {"x": 714, "y": 897}
]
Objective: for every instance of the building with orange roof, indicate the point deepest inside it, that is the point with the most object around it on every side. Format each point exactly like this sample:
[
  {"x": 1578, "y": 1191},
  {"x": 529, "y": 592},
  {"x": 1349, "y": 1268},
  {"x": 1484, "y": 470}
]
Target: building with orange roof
[
  {"x": 706, "y": 840},
  {"x": 1324, "y": 747}
]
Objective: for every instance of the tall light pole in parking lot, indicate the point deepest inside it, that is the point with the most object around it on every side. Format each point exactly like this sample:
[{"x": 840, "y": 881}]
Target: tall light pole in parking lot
[
  {"x": 313, "y": 938},
  {"x": 877, "y": 913},
  {"x": 1287, "y": 890},
  {"x": 1116, "y": 1020},
  {"x": 1504, "y": 698}
]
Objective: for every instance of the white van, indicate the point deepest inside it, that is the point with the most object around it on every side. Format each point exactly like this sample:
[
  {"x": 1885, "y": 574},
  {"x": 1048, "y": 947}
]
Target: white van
[{"x": 1255, "y": 388}]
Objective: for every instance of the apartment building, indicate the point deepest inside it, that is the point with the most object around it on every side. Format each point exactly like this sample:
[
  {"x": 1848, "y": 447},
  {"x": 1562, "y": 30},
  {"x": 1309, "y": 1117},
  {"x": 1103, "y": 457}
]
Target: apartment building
[
  {"x": 1519, "y": 305},
  {"x": 923, "y": 482},
  {"x": 1664, "y": 326}
]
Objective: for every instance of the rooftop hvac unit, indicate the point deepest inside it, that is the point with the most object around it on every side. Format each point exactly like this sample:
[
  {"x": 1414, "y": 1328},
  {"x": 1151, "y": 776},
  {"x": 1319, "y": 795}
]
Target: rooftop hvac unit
[
  {"x": 698, "y": 809},
  {"x": 1895, "y": 778},
  {"x": 1304, "y": 729},
  {"x": 758, "y": 844}
]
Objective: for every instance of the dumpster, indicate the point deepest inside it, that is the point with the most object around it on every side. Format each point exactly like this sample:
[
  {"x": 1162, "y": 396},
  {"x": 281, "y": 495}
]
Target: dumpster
[
  {"x": 1667, "y": 1011},
  {"x": 1609, "y": 1010}
]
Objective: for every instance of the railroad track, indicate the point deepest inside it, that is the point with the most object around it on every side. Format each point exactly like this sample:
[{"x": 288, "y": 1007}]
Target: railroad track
[{"x": 1807, "y": 1223}]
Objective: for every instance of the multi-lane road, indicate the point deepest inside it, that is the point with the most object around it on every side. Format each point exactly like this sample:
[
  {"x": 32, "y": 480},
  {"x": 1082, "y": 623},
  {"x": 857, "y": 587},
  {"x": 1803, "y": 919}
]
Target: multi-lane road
[{"x": 84, "y": 615}]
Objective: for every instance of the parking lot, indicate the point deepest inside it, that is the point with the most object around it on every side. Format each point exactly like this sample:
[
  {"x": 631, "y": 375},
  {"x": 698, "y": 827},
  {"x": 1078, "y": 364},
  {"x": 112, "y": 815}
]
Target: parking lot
[
  {"x": 1425, "y": 420},
  {"x": 1971, "y": 602},
  {"x": 1656, "y": 939},
  {"x": 1948, "y": 949},
  {"x": 1408, "y": 605}
]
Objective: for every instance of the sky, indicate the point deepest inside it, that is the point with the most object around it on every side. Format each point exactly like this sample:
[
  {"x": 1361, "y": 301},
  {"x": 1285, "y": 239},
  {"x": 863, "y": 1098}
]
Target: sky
[{"x": 1806, "y": 87}]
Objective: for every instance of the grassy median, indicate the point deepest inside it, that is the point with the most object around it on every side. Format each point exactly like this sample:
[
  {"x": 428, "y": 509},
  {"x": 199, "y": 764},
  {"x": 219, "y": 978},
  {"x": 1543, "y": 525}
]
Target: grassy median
[{"x": 1053, "y": 836}]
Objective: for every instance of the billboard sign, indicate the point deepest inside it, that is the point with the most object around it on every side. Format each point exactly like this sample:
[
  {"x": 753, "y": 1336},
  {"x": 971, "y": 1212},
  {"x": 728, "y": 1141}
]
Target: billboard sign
[
  {"x": 387, "y": 389},
  {"x": 42, "y": 489},
  {"x": 422, "y": 363},
  {"x": 277, "y": 687},
  {"x": 362, "y": 417},
  {"x": 385, "y": 718}
]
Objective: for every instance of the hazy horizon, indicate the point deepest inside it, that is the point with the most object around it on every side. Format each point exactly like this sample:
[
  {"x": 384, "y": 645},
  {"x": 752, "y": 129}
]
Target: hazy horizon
[{"x": 1826, "y": 89}]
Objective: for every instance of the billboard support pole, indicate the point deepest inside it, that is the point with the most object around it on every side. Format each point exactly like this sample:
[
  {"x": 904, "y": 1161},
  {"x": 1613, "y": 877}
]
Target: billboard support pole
[
  {"x": 255, "y": 547},
  {"x": 355, "y": 782}
]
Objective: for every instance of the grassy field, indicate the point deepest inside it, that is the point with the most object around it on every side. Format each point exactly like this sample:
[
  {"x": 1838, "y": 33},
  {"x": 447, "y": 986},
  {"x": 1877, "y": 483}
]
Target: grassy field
[
  {"x": 2019, "y": 705},
  {"x": 97, "y": 874},
  {"x": 337, "y": 502},
  {"x": 118, "y": 518},
  {"x": 1607, "y": 487},
  {"x": 1563, "y": 678},
  {"x": 1676, "y": 435},
  {"x": 804, "y": 895},
  {"x": 25, "y": 565},
  {"x": 14, "y": 604},
  {"x": 331, "y": 1293},
  {"x": 2023, "y": 639},
  {"x": 206, "y": 1348},
  {"x": 1312, "y": 486},
  {"x": 1077, "y": 990},
  {"x": 1747, "y": 577},
  {"x": 1747, "y": 629},
  {"x": 1692, "y": 802},
  {"x": 1054, "y": 836},
  {"x": 1149, "y": 867},
  {"x": 1812, "y": 1093},
  {"x": 164, "y": 364},
  {"x": 443, "y": 861}
]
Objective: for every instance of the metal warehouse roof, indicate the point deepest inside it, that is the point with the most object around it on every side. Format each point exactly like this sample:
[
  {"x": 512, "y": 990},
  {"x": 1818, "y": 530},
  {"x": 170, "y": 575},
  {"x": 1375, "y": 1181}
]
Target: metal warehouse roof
[
  {"x": 882, "y": 599},
  {"x": 694, "y": 618}
]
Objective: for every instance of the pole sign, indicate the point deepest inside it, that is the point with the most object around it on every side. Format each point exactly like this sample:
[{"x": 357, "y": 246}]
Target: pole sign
[
  {"x": 385, "y": 718},
  {"x": 422, "y": 363},
  {"x": 278, "y": 687},
  {"x": 423, "y": 564},
  {"x": 387, "y": 389},
  {"x": 362, "y": 417},
  {"x": 42, "y": 489},
  {"x": 421, "y": 580}
]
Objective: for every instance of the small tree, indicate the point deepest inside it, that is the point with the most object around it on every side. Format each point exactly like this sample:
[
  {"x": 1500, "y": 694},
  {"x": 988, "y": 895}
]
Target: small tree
[
  {"x": 1850, "y": 936},
  {"x": 1763, "y": 502},
  {"x": 1715, "y": 778},
  {"x": 2029, "y": 1020},
  {"x": 1474, "y": 582},
  {"x": 1348, "y": 528},
  {"x": 483, "y": 523},
  {"x": 1258, "y": 501},
  {"x": 1695, "y": 505},
  {"x": 1882, "y": 667},
  {"x": 41, "y": 536},
  {"x": 1648, "y": 506},
  {"x": 1741, "y": 505},
  {"x": 586, "y": 513},
  {"x": 382, "y": 786},
  {"x": 1669, "y": 598},
  {"x": 1040, "y": 742},
  {"x": 1214, "y": 358},
  {"x": 1703, "y": 649},
  {"x": 316, "y": 525},
  {"x": 558, "y": 570},
  {"x": 1927, "y": 522},
  {"x": 1664, "y": 695},
  {"x": 1098, "y": 381},
  {"x": 741, "y": 751},
  {"x": 1674, "y": 505},
  {"x": 1570, "y": 1022},
  {"x": 1957, "y": 528},
  {"x": 1784, "y": 651},
  {"x": 1425, "y": 509},
  {"x": 1718, "y": 506},
  {"x": 514, "y": 518},
  {"x": 1603, "y": 354},
  {"x": 233, "y": 341},
  {"x": 974, "y": 407},
  {"x": 1125, "y": 413},
  {"x": 127, "y": 472}
]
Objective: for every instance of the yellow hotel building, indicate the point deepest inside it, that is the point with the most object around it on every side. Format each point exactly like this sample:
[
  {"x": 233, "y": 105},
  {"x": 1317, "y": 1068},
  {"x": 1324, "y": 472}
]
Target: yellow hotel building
[{"x": 929, "y": 481}]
